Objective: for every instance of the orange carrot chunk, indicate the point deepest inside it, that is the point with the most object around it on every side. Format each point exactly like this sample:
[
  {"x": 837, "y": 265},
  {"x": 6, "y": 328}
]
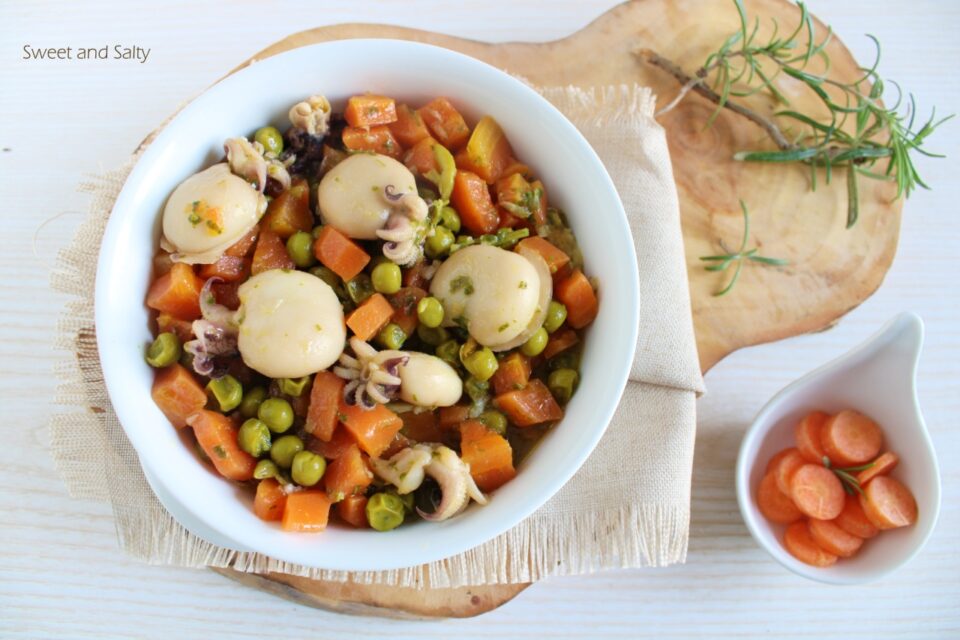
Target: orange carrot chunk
[
  {"x": 347, "y": 475},
  {"x": 270, "y": 500},
  {"x": 512, "y": 374},
  {"x": 177, "y": 292},
  {"x": 534, "y": 404},
  {"x": 851, "y": 438},
  {"x": 325, "y": 397},
  {"x": 227, "y": 268},
  {"x": 290, "y": 211},
  {"x": 786, "y": 467},
  {"x": 560, "y": 342},
  {"x": 854, "y": 521},
  {"x": 377, "y": 139},
  {"x": 488, "y": 454},
  {"x": 353, "y": 511},
  {"x": 834, "y": 539},
  {"x": 373, "y": 429},
  {"x": 775, "y": 460},
  {"x": 270, "y": 253},
  {"x": 217, "y": 436},
  {"x": 888, "y": 504},
  {"x": 421, "y": 427},
  {"x": 306, "y": 511},
  {"x": 178, "y": 394},
  {"x": 883, "y": 465},
  {"x": 445, "y": 122},
  {"x": 242, "y": 247},
  {"x": 339, "y": 253},
  {"x": 801, "y": 545},
  {"x": 420, "y": 158},
  {"x": 487, "y": 152},
  {"x": 371, "y": 316},
  {"x": 368, "y": 110},
  {"x": 775, "y": 505},
  {"x": 340, "y": 441},
  {"x": 452, "y": 416},
  {"x": 471, "y": 199},
  {"x": 554, "y": 257},
  {"x": 409, "y": 128},
  {"x": 808, "y": 433},
  {"x": 817, "y": 492},
  {"x": 577, "y": 294}
]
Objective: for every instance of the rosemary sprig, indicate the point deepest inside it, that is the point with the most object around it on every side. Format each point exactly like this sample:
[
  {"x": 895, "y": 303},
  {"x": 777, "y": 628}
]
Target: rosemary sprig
[
  {"x": 721, "y": 262},
  {"x": 846, "y": 475},
  {"x": 745, "y": 65}
]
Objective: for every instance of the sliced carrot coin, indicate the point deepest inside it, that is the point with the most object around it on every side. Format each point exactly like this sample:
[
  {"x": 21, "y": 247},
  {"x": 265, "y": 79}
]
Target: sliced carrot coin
[
  {"x": 775, "y": 505},
  {"x": 775, "y": 460},
  {"x": 883, "y": 465},
  {"x": 807, "y": 435},
  {"x": 817, "y": 492},
  {"x": 833, "y": 539},
  {"x": 888, "y": 504},
  {"x": 850, "y": 438},
  {"x": 854, "y": 521},
  {"x": 787, "y": 466},
  {"x": 801, "y": 545}
]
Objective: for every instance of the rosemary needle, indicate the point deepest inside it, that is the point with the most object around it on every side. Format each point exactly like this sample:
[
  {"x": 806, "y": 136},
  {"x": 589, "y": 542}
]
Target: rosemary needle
[{"x": 721, "y": 262}]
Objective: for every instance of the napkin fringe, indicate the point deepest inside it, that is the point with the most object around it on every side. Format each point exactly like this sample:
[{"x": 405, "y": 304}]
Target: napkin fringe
[
  {"x": 611, "y": 105},
  {"x": 540, "y": 546}
]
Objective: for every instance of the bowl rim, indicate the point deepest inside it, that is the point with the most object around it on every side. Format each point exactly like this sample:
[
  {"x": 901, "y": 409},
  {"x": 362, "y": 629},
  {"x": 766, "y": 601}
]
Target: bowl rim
[
  {"x": 764, "y": 422},
  {"x": 627, "y": 285}
]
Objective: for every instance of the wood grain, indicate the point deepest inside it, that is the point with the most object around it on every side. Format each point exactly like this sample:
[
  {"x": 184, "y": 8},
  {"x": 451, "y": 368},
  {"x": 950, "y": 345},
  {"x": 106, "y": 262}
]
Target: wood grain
[{"x": 62, "y": 574}]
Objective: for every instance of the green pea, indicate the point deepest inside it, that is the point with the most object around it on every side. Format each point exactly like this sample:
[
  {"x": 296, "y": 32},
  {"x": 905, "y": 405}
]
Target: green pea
[
  {"x": 228, "y": 392},
  {"x": 266, "y": 469},
  {"x": 254, "y": 437},
  {"x": 284, "y": 449},
  {"x": 477, "y": 390},
  {"x": 432, "y": 336},
  {"x": 407, "y": 499},
  {"x": 391, "y": 336},
  {"x": 449, "y": 352},
  {"x": 307, "y": 468},
  {"x": 164, "y": 351},
  {"x": 270, "y": 138},
  {"x": 482, "y": 364},
  {"x": 495, "y": 421},
  {"x": 359, "y": 288},
  {"x": 556, "y": 314},
  {"x": 331, "y": 279},
  {"x": 536, "y": 344},
  {"x": 562, "y": 384},
  {"x": 300, "y": 249},
  {"x": 387, "y": 278},
  {"x": 430, "y": 312},
  {"x": 251, "y": 401},
  {"x": 439, "y": 243},
  {"x": 293, "y": 386},
  {"x": 450, "y": 219},
  {"x": 315, "y": 232},
  {"x": 385, "y": 511},
  {"x": 448, "y": 170},
  {"x": 276, "y": 413}
]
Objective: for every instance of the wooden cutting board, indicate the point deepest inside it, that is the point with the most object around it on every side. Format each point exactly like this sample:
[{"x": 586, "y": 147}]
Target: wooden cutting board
[{"x": 831, "y": 270}]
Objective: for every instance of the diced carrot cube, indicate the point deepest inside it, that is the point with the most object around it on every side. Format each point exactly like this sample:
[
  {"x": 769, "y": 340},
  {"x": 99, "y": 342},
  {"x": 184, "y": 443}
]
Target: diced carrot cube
[
  {"x": 270, "y": 500},
  {"x": 488, "y": 454},
  {"x": 371, "y": 316},
  {"x": 217, "y": 436},
  {"x": 373, "y": 429},
  {"x": 368, "y": 110},
  {"x": 377, "y": 139},
  {"x": 445, "y": 122},
  {"x": 306, "y": 511},
  {"x": 178, "y": 394},
  {"x": 353, "y": 511},
  {"x": 290, "y": 211},
  {"x": 347, "y": 475},
  {"x": 471, "y": 199},
  {"x": 560, "y": 342},
  {"x": 577, "y": 294},
  {"x": 325, "y": 395},
  {"x": 270, "y": 253},
  {"x": 512, "y": 374},
  {"x": 534, "y": 404},
  {"x": 339, "y": 253},
  {"x": 409, "y": 128},
  {"x": 177, "y": 292},
  {"x": 554, "y": 257}
]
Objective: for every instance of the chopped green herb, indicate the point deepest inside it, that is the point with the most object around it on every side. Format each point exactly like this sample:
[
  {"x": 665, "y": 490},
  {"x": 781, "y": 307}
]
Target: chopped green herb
[
  {"x": 220, "y": 451},
  {"x": 462, "y": 282},
  {"x": 523, "y": 284}
]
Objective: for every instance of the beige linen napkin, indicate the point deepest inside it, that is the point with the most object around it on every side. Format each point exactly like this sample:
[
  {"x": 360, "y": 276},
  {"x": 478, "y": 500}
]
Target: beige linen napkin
[{"x": 629, "y": 506}]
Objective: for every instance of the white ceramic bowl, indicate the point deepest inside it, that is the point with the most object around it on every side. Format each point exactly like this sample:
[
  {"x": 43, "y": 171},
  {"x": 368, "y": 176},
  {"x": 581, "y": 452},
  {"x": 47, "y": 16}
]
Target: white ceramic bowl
[
  {"x": 877, "y": 378},
  {"x": 576, "y": 181}
]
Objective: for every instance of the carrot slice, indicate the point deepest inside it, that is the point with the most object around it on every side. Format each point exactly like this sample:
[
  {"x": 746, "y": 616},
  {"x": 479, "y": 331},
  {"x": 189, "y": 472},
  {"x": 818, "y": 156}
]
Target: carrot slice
[
  {"x": 834, "y": 539},
  {"x": 177, "y": 292},
  {"x": 373, "y": 429},
  {"x": 554, "y": 257},
  {"x": 347, "y": 475},
  {"x": 409, "y": 128},
  {"x": 242, "y": 247},
  {"x": 178, "y": 394},
  {"x": 775, "y": 460},
  {"x": 270, "y": 500},
  {"x": 340, "y": 441},
  {"x": 488, "y": 454},
  {"x": 420, "y": 158},
  {"x": 270, "y": 253},
  {"x": 306, "y": 511},
  {"x": 883, "y": 465},
  {"x": 854, "y": 521},
  {"x": 325, "y": 397},
  {"x": 560, "y": 342},
  {"x": 801, "y": 545},
  {"x": 817, "y": 492},
  {"x": 512, "y": 374},
  {"x": 353, "y": 511},
  {"x": 786, "y": 467},
  {"x": 888, "y": 504},
  {"x": 578, "y": 295},
  {"x": 851, "y": 438},
  {"x": 290, "y": 211},
  {"x": 445, "y": 122},
  {"x": 217, "y": 436},
  {"x": 775, "y": 505},
  {"x": 534, "y": 404},
  {"x": 807, "y": 435},
  {"x": 339, "y": 253},
  {"x": 367, "y": 319},
  {"x": 368, "y": 110},
  {"x": 377, "y": 139},
  {"x": 471, "y": 199}
]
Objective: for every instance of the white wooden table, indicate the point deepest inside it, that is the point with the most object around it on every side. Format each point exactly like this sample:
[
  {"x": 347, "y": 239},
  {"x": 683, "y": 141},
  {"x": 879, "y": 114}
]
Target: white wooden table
[{"x": 61, "y": 573}]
